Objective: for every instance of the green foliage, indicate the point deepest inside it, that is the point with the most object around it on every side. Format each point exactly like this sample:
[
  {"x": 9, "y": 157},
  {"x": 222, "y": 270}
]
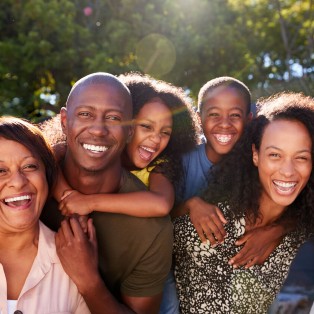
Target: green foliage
[{"x": 45, "y": 46}]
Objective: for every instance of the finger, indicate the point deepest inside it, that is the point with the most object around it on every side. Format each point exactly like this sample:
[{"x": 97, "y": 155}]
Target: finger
[
  {"x": 221, "y": 216},
  {"x": 66, "y": 194},
  {"x": 217, "y": 226},
  {"x": 91, "y": 231},
  {"x": 243, "y": 239},
  {"x": 215, "y": 231},
  {"x": 244, "y": 259},
  {"x": 200, "y": 232},
  {"x": 83, "y": 223},
  {"x": 67, "y": 230},
  {"x": 251, "y": 263},
  {"x": 209, "y": 235},
  {"x": 242, "y": 254},
  {"x": 76, "y": 227}
]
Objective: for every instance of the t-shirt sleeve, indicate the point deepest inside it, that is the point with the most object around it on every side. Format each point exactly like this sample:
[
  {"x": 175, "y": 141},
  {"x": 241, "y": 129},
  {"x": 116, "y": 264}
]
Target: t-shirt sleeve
[{"x": 149, "y": 275}]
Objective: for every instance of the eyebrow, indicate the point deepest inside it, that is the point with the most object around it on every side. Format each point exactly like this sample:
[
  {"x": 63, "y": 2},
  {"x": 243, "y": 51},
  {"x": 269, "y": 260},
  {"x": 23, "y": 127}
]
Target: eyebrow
[
  {"x": 275, "y": 147},
  {"x": 217, "y": 107},
  {"x": 93, "y": 108}
]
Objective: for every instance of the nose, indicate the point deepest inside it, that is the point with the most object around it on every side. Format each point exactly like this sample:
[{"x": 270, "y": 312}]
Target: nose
[
  {"x": 155, "y": 137},
  {"x": 225, "y": 121},
  {"x": 287, "y": 168},
  {"x": 17, "y": 180},
  {"x": 98, "y": 128}
]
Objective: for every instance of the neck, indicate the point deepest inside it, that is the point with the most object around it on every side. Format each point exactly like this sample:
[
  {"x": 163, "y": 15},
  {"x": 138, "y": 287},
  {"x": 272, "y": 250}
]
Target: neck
[
  {"x": 270, "y": 211},
  {"x": 19, "y": 241},
  {"x": 93, "y": 182},
  {"x": 212, "y": 156}
]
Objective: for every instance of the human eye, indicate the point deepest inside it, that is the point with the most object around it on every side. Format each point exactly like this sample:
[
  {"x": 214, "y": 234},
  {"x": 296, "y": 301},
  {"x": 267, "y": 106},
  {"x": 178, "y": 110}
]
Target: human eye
[
  {"x": 30, "y": 167},
  {"x": 113, "y": 118},
  {"x": 236, "y": 115},
  {"x": 274, "y": 155},
  {"x": 303, "y": 158},
  {"x": 3, "y": 171},
  {"x": 84, "y": 114},
  {"x": 213, "y": 114},
  {"x": 166, "y": 132},
  {"x": 145, "y": 126}
]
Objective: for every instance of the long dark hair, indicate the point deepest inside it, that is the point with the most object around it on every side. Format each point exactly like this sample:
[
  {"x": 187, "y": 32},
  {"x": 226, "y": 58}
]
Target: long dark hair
[
  {"x": 235, "y": 179},
  {"x": 184, "y": 136}
]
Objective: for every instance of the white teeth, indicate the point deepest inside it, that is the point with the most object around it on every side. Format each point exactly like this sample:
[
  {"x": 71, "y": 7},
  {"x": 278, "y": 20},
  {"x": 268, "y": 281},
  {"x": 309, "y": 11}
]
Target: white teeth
[
  {"x": 18, "y": 198},
  {"x": 285, "y": 184},
  {"x": 148, "y": 149},
  {"x": 223, "y": 138},
  {"x": 95, "y": 148}
]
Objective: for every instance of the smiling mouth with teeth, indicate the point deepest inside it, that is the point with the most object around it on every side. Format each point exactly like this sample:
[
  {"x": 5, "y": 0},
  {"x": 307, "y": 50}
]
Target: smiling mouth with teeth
[
  {"x": 223, "y": 138},
  {"x": 284, "y": 186},
  {"x": 95, "y": 148},
  {"x": 146, "y": 152},
  {"x": 17, "y": 201}
]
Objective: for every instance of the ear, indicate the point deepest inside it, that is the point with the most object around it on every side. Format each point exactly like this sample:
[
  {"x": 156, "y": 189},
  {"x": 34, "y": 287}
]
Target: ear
[
  {"x": 63, "y": 118},
  {"x": 249, "y": 117},
  {"x": 255, "y": 155}
]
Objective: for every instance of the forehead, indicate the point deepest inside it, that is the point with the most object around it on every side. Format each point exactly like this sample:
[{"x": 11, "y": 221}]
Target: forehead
[
  {"x": 224, "y": 98},
  {"x": 101, "y": 97},
  {"x": 12, "y": 149},
  {"x": 155, "y": 107},
  {"x": 286, "y": 134}
]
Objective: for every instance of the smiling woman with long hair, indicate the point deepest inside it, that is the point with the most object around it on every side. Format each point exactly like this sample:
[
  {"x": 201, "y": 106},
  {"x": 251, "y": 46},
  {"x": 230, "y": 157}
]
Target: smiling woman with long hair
[
  {"x": 32, "y": 279},
  {"x": 267, "y": 177}
]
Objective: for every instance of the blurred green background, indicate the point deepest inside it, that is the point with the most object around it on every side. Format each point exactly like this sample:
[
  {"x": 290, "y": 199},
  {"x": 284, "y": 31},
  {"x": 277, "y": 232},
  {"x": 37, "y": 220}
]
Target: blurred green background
[{"x": 46, "y": 45}]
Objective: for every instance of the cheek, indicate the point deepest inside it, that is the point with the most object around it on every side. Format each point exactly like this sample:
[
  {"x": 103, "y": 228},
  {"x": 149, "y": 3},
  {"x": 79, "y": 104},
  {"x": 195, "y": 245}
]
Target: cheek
[
  {"x": 164, "y": 143},
  {"x": 42, "y": 188}
]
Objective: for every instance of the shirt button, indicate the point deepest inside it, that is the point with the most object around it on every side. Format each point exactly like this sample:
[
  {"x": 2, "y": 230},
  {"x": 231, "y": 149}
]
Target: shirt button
[{"x": 18, "y": 312}]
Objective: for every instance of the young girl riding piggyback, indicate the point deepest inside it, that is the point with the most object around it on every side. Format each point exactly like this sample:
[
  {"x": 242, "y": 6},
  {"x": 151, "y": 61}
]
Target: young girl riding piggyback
[{"x": 165, "y": 128}]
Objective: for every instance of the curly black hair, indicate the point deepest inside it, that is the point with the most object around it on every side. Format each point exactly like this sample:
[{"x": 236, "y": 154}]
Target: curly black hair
[
  {"x": 235, "y": 179},
  {"x": 185, "y": 128}
]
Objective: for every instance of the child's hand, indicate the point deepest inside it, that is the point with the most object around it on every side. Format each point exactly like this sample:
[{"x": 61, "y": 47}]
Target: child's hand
[
  {"x": 207, "y": 219},
  {"x": 74, "y": 202},
  {"x": 258, "y": 244}
]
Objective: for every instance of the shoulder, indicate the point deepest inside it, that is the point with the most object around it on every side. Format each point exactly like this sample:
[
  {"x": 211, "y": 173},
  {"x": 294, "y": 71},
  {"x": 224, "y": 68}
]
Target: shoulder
[{"x": 131, "y": 183}]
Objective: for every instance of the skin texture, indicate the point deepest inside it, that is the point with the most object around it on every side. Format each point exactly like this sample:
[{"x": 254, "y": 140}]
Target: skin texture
[
  {"x": 284, "y": 167},
  {"x": 153, "y": 127},
  {"x": 96, "y": 123},
  {"x": 95, "y": 118},
  {"x": 21, "y": 175},
  {"x": 223, "y": 117}
]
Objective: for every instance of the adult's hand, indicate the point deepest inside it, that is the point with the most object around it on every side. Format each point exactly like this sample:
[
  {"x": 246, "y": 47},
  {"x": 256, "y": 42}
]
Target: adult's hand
[
  {"x": 78, "y": 251},
  {"x": 207, "y": 219},
  {"x": 258, "y": 244}
]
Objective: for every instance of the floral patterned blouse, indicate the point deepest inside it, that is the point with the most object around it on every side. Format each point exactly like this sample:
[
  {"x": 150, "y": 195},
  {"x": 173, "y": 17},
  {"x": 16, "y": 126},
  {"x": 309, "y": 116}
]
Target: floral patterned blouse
[{"x": 205, "y": 281}]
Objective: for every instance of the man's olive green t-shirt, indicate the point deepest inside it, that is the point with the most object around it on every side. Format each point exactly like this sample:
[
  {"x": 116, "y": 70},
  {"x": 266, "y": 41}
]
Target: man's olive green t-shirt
[{"x": 134, "y": 253}]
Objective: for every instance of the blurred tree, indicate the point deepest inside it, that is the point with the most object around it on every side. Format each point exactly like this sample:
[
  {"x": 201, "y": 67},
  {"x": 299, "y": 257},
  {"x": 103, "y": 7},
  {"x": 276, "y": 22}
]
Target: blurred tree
[
  {"x": 42, "y": 50},
  {"x": 280, "y": 44},
  {"x": 45, "y": 46}
]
